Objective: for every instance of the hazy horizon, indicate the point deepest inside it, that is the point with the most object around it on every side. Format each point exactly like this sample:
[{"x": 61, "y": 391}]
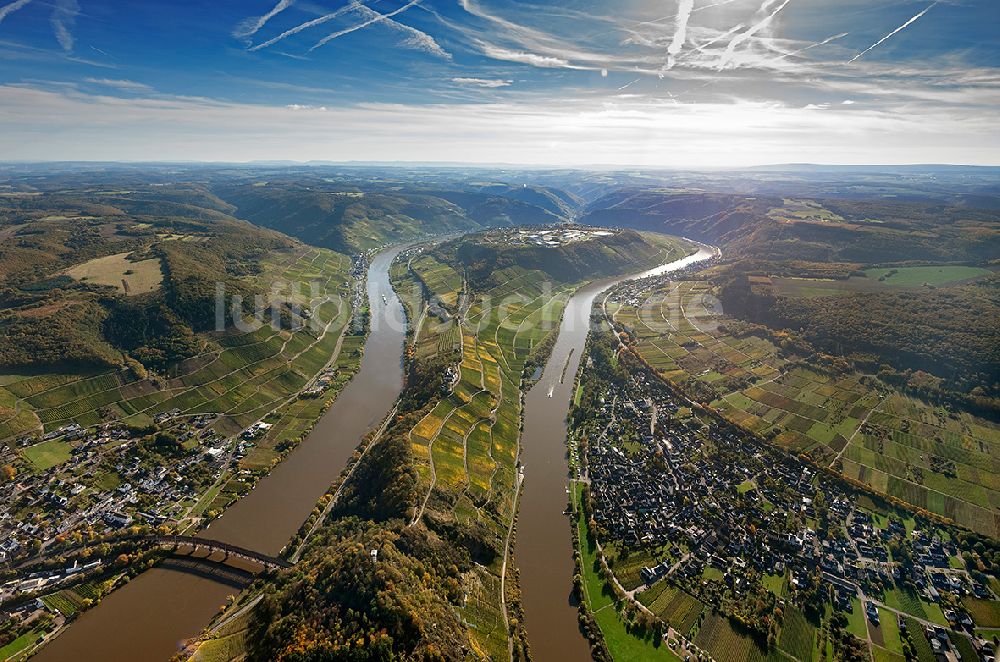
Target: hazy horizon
[{"x": 692, "y": 84}]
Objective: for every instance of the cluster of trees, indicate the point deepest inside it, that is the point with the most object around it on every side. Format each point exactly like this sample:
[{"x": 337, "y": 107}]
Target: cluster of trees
[
  {"x": 363, "y": 592},
  {"x": 948, "y": 333},
  {"x": 486, "y": 261},
  {"x": 50, "y": 320}
]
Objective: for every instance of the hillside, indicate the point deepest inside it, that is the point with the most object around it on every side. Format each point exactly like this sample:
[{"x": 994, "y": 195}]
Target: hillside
[
  {"x": 776, "y": 230},
  {"x": 350, "y": 218},
  {"x": 91, "y": 280},
  {"x": 867, "y": 279}
]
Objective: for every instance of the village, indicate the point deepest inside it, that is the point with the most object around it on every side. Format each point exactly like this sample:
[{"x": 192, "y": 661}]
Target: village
[
  {"x": 110, "y": 477},
  {"x": 548, "y": 236},
  {"x": 696, "y": 503}
]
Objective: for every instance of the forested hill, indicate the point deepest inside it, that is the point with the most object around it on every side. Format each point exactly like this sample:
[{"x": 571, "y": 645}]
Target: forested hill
[
  {"x": 351, "y": 218},
  {"x": 97, "y": 279},
  {"x": 486, "y": 258},
  {"x": 775, "y": 229}
]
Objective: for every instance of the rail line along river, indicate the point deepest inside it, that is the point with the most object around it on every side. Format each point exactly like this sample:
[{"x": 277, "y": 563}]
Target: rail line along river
[
  {"x": 544, "y": 549},
  {"x": 150, "y": 616}
]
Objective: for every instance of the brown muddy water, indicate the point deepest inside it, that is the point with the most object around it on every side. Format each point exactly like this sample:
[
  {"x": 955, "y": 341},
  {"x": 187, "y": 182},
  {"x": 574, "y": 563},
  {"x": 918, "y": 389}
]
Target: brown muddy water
[
  {"x": 150, "y": 617},
  {"x": 544, "y": 549}
]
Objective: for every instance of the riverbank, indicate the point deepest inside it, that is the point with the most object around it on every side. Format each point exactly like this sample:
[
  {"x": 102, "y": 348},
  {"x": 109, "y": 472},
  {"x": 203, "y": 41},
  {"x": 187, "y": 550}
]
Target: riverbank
[{"x": 146, "y": 618}]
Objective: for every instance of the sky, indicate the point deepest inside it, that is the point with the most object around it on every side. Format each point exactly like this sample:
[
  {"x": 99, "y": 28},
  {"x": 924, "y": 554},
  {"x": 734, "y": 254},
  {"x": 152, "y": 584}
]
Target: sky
[{"x": 652, "y": 83}]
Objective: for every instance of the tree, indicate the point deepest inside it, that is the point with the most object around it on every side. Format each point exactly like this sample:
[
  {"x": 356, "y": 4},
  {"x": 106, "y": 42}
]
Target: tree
[{"x": 8, "y": 473}]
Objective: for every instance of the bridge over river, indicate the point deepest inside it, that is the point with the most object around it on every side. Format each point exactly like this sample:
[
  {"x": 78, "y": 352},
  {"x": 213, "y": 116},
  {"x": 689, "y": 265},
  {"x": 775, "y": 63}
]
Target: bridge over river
[{"x": 212, "y": 546}]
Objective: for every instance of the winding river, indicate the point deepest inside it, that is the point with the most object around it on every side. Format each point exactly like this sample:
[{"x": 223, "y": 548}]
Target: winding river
[
  {"x": 149, "y": 617},
  {"x": 152, "y": 615},
  {"x": 544, "y": 548}
]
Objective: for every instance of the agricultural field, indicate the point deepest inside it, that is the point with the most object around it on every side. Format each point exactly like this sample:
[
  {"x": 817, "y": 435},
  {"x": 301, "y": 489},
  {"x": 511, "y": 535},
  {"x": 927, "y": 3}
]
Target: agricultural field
[
  {"x": 985, "y": 613},
  {"x": 798, "y": 635},
  {"x": 876, "y": 280},
  {"x": 723, "y": 642},
  {"x": 801, "y": 210},
  {"x": 466, "y": 447},
  {"x": 936, "y": 459},
  {"x": 130, "y": 277},
  {"x": 919, "y": 276},
  {"x": 240, "y": 379},
  {"x": 673, "y": 605},
  {"x": 440, "y": 279},
  {"x": 240, "y": 375}
]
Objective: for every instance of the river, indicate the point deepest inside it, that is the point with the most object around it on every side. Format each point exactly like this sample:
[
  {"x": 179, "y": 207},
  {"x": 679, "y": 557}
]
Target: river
[
  {"x": 149, "y": 617},
  {"x": 544, "y": 548},
  {"x": 152, "y": 615}
]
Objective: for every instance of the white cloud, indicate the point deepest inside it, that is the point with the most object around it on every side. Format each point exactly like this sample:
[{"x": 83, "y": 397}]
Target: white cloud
[
  {"x": 727, "y": 56},
  {"x": 571, "y": 131},
  {"x": 481, "y": 82},
  {"x": 522, "y": 57},
  {"x": 127, "y": 85},
  {"x": 415, "y": 39},
  {"x": 684, "y": 8}
]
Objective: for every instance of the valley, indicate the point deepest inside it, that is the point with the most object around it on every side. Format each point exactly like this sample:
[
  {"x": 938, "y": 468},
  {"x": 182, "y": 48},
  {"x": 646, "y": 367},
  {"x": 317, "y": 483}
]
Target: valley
[{"x": 227, "y": 358}]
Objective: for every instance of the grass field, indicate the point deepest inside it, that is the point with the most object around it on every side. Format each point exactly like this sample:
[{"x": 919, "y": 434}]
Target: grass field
[
  {"x": 47, "y": 454},
  {"x": 128, "y": 277},
  {"x": 876, "y": 280},
  {"x": 915, "y": 276},
  {"x": 20, "y": 644},
  {"x": 856, "y": 620},
  {"x": 891, "y": 639}
]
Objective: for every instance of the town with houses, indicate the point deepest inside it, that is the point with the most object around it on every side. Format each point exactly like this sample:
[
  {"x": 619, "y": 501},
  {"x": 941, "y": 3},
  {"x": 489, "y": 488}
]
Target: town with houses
[
  {"x": 549, "y": 236},
  {"x": 710, "y": 510}
]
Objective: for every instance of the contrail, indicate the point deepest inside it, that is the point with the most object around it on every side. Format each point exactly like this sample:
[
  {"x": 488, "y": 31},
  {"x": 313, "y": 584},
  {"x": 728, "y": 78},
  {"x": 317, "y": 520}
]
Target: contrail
[
  {"x": 12, "y": 7},
  {"x": 63, "y": 20},
  {"x": 305, "y": 26},
  {"x": 743, "y": 36},
  {"x": 901, "y": 27},
  {"x": 714, "y": 4},
  {"x": 381, "y": 17},
  {"x": 728, "y": 33},
  {"x": 680, "y": 32},
  {"x": 628, "y": 85},
  {"x": 249, "y": 27},
  {"x": 818, "y": 43},
  {"x": 417, "y": 39}
]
